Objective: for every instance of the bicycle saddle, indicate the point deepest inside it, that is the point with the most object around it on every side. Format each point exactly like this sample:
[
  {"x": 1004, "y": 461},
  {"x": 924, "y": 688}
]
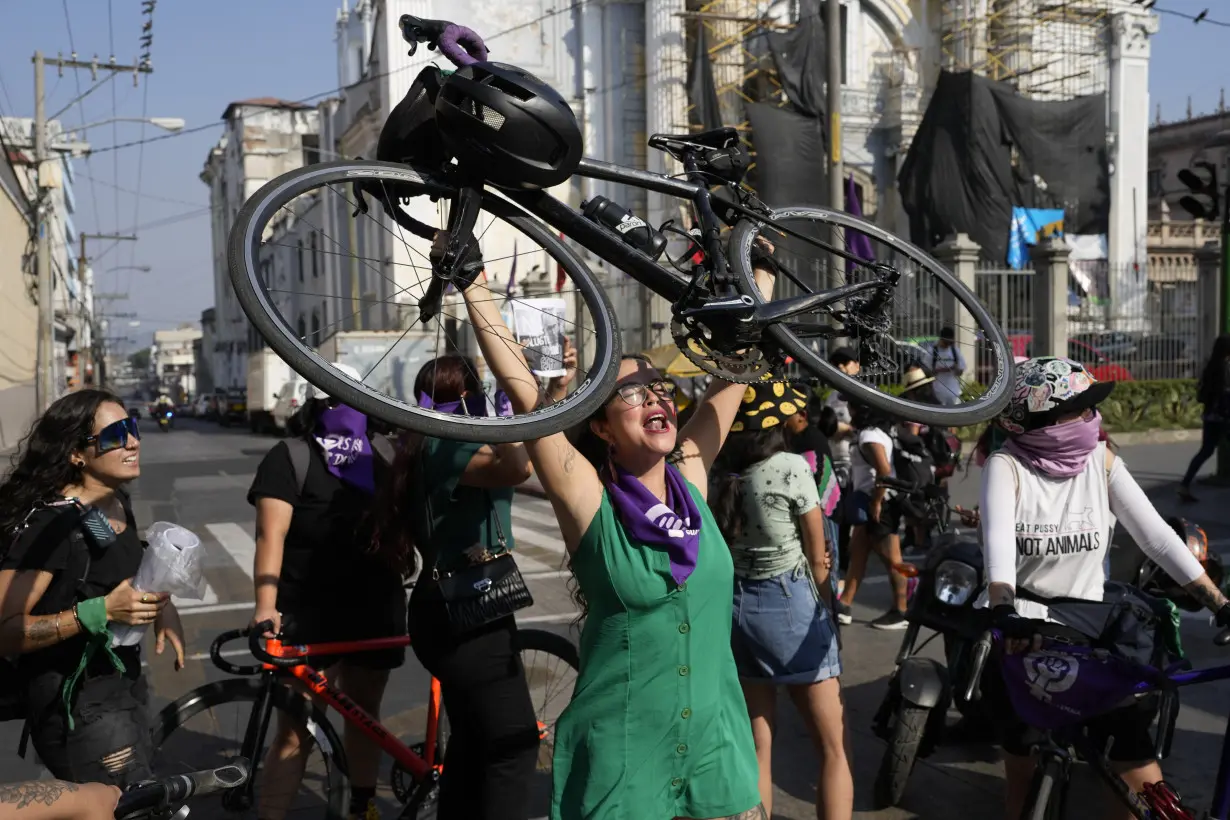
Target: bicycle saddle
[{"x": 723, "y": 137}]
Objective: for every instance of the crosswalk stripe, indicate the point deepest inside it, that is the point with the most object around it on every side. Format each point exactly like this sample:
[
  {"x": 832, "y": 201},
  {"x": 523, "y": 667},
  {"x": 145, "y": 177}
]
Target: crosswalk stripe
[{"x": 542, "y": 519}]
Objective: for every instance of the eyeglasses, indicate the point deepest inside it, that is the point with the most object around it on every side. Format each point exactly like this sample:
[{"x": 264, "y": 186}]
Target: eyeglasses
[
  {"x": 636, "y": 393},
  {"x": 115, "y": 435}
]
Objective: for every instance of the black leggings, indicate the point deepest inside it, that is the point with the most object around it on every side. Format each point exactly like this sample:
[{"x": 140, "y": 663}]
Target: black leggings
[
  {"x": 492, "y": 750},
  {"x": 1210, "y": 437}
]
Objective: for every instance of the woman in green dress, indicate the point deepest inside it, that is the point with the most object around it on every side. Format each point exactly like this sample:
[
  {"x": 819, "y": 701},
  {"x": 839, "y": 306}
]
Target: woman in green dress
[{"x": 657, "y": 728}]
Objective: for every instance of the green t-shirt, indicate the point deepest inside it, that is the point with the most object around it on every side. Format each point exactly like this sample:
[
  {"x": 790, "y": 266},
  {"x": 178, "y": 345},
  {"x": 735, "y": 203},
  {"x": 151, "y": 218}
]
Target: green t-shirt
[{"x": 458, "y": 517}]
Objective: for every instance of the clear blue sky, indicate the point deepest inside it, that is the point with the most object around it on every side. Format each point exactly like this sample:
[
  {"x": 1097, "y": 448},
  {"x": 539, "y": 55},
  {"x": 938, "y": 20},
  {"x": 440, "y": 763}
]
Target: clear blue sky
[{"x": 206, "y": 55}]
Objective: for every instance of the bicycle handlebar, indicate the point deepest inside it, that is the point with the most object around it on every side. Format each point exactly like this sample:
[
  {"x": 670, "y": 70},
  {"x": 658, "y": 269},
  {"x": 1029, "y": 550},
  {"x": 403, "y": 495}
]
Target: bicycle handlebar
[
  {"x": 898, "y": 484},
  {"x": 162, "y": 794},
  {"x": 255, "y": 634},
  {"x": 462, "y": 46}
]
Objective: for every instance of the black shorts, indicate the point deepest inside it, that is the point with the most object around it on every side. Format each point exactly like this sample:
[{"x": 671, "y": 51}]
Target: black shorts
[
  {"x": 1129, "y": 725},
  {"x": 110, "y": 738},
  {"x": 375, "y": 611}
]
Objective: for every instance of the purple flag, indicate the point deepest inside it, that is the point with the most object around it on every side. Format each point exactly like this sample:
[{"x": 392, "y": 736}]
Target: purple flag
[
  {"x": 857, "y": 243},
  {"x": 512, "y": 272}
]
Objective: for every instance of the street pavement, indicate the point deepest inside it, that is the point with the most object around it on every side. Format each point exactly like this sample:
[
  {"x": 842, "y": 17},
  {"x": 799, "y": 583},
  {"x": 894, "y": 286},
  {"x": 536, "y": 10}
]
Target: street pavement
[{"x": 198, "y": 474}]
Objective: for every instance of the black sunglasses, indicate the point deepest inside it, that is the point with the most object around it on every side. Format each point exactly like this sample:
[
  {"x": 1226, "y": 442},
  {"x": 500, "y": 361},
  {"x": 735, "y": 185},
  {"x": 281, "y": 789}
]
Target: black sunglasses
[{"x": 115, "y": 435}]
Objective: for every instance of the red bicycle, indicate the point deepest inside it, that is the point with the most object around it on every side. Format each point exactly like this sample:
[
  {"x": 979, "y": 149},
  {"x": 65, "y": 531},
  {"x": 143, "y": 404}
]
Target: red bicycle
[{"x": 416, "y": 768}]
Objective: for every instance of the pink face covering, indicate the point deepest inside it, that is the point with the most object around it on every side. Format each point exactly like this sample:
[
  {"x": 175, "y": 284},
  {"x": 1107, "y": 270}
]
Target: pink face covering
[{"x": 1059, "y": 450}]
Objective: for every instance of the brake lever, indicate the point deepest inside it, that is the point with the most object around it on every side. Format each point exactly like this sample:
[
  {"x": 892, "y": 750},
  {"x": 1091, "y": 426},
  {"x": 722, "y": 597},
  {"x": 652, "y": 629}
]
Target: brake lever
[{"x": 414, "y": 47}]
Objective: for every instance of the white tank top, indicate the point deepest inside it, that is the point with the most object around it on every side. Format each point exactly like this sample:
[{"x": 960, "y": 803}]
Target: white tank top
[{"x": 1063, "y": 531}]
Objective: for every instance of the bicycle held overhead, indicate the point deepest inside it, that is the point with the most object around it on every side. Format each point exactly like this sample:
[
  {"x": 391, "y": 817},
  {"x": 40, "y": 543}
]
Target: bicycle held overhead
[{"x": 489, "y": 139}]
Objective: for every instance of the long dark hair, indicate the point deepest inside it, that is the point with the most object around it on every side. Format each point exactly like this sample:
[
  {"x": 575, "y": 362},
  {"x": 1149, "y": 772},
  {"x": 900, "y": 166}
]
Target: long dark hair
[
  {"x": 1213, "y": 377},
  {"x": 445, "y": 379},
  {"x": 741, "y": 451},
  {"x": 42, "y": 466}
]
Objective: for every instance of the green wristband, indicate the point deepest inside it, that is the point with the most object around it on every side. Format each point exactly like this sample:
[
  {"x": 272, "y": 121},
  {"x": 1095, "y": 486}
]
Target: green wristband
[{"x": 93, "y": 615}]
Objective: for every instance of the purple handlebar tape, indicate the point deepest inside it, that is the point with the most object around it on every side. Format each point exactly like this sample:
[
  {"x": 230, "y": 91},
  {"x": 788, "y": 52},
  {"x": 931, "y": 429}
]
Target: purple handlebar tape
[{"x": 452, "y": 40}]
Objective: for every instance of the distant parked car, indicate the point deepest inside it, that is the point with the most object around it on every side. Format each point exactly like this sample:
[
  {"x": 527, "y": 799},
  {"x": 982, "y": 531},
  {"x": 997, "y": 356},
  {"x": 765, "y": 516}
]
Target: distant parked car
[
  {"x": 1119, "y": 345},
  {"x": 1102, "y": 368},
  {"x": 235, "y": 410},
  {"x": 1162, "y": 357}
]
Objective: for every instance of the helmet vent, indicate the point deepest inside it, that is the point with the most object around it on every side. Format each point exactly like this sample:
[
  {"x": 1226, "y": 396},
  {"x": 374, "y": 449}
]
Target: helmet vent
[
  {"x": 511, "y": 89},
  {"x": 487, "y": 116}
]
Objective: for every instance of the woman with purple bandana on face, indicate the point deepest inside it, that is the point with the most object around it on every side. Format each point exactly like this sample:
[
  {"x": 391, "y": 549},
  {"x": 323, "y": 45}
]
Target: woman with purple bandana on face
[
  {"x": 1050, "y": 494},
  {"x": 657, "y": 728},
  {"x": 450, "y": 501},
  {"x": 317, "y": 578}
]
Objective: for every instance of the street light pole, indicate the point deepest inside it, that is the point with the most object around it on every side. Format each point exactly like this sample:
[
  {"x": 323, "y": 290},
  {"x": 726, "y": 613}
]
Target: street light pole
[
  {"x": 835, "y": 56},
  {"x": 46, "y": 298}
]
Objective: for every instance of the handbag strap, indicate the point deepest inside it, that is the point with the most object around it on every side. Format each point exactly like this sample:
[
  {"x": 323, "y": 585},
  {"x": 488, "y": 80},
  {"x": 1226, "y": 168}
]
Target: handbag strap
[{"x": 492, "y": 515}]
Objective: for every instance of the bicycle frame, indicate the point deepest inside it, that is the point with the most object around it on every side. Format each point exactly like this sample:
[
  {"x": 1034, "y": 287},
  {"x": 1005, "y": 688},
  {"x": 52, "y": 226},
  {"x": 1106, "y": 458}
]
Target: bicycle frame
[
  {"x": 662, "y": 280},
  {"x": 351, "y": 712}
]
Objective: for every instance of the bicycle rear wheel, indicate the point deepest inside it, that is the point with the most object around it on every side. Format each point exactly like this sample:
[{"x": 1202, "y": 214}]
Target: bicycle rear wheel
[
  {"x": 551, "y": 663},
  {"x": 373, "y": 222},
  {"x": 926, "y": 299}
]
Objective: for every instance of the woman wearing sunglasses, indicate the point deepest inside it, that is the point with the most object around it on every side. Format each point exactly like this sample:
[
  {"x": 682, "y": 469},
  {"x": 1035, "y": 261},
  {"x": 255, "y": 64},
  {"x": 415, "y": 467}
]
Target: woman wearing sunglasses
[
  {"x": 657, "y": 727},
  {"x": 69, "y": 544}
]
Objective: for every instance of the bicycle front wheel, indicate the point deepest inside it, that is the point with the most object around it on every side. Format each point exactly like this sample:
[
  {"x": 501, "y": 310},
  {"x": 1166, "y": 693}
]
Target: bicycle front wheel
[
  {"x": 329, "y": 262},
  {"x": 926, "y": 300},
  {"x": 210, "y": 726}
]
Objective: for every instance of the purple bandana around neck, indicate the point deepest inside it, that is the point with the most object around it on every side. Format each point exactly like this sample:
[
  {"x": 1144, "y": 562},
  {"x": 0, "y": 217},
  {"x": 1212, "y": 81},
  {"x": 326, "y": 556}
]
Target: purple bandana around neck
[
  {"x": 469, "y": 406},
  {"x": 341, "y": 433},
  {"x": 1060, "y": 450},
  {"x": 675, "y": 525}
]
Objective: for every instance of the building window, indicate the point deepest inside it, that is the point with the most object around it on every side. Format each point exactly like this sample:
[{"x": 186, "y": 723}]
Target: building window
[
  {"x": 266, "y": 264},
  {"x": 324, "y": 316},
  {"x": 299, "y": 259},
  {"x": 315, "y": 328},
  {"x": 315, "y": 256},
  {"x": 1155, "y": 183},
  {"x": 311, "y": 149},
  {"x": 302, "y": 329}
]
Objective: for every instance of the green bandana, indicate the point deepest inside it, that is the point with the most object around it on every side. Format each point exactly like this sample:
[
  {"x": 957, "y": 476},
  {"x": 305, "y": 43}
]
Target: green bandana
[{"x": 93, "y": 617}]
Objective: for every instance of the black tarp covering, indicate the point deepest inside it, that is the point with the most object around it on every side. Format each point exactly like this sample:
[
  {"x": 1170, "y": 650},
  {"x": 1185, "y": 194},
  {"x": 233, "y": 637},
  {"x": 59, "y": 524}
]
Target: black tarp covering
[
  {"x": 982, "y": 149},
  {"x": 702, "y": 93},
  {"x": 799, "y": 55},
  {"x": 790, "y": 160}
]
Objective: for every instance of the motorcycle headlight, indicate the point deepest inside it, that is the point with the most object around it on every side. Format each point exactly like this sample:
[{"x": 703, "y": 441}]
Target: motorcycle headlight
[{"x": 954, "y": 582}]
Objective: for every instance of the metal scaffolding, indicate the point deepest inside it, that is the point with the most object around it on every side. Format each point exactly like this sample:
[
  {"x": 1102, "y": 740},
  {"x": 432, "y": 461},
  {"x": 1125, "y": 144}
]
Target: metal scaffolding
[{"x": 1047, "y": 49}]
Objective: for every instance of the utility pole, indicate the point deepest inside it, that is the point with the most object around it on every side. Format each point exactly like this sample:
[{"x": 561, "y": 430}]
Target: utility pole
[
  {"x": 835, "y": 58},
  {"x": 82, "y": 263},
  {"x": 45, "y": 388},
  {"x": 46, "y": 299}
]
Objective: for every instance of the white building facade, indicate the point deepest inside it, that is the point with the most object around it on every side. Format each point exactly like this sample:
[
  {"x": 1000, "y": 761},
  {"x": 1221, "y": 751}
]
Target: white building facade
[
  {"x": 264, "y": 138},
  {"x": 173, "y": 362}
]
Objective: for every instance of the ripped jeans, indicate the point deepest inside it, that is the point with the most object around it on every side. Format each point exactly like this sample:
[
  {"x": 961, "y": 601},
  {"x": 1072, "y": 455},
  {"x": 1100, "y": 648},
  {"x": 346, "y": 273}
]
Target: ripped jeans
[{"x": 110, "y": 739}]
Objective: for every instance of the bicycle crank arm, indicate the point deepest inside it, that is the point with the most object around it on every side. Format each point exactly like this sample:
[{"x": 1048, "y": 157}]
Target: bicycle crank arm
[
  {"x": 736, "y": 307},
  {"x": 780, "y": 309}
]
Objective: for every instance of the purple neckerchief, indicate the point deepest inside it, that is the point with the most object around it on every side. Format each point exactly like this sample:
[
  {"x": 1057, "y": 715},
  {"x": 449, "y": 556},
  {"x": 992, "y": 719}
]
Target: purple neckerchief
[
  {"x": 470, "y": 405},
  {"x": 674, "y": 525},
  {"x": 341, "y": 433},
  {"x": 1058, "y": 450}
]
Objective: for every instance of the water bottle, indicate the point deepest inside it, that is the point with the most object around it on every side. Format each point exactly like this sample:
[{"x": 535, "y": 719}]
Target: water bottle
[{"x": 630, "y": 227}]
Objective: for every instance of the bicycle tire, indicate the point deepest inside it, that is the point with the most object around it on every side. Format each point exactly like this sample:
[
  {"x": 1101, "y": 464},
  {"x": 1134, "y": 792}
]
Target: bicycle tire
[
  {"x": 593, "y": 389},
  {"x": 990, "y": 404},
  {"x": 900, "y": 755},
  {"x": 249, "y": 690},
  {"x": 538, "y": 640}
]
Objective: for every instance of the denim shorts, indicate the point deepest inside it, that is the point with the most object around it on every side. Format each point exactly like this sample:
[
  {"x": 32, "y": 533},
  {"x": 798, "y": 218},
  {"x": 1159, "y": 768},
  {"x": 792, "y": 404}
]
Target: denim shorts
[
  {"x": 858, "y": 514},
  {"x": 781, "y": 632}
]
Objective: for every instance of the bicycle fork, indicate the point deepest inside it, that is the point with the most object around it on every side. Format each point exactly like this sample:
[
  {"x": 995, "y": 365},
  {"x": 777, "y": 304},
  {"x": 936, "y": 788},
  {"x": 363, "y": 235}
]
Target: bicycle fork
[
  {"x": 452, "y": 251},
  {"x": 241, "y": 799}
]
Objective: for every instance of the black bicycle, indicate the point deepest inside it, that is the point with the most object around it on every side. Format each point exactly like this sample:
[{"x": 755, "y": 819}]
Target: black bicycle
[{"x": 366, "y": 227}]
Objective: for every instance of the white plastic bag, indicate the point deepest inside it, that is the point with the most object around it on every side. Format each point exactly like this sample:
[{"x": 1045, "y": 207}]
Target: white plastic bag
[{"x": 174, "y": 563}]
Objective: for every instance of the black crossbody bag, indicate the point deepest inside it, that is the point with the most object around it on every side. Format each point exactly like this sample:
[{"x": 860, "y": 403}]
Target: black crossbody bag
[{"x": 481, "y": 593}]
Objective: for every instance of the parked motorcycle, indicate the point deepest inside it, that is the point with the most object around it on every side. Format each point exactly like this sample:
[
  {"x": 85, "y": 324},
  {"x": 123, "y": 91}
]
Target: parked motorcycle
[
  {"x": 912, "y": 718},
  {"x": 165, "y": 418}
]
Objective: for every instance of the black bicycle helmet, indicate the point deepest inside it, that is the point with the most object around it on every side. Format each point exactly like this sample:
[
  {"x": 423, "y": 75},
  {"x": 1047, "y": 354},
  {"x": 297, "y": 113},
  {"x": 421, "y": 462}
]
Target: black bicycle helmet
[{"x": 507, "y": 125}]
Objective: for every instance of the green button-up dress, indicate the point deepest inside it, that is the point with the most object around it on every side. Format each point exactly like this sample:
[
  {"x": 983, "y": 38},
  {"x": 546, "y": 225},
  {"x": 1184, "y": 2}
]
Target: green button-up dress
[{"x": 657, "y": 727}]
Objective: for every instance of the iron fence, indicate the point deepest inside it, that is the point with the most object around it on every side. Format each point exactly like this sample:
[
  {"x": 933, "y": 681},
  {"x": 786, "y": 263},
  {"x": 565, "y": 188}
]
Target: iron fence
[{"x": 1129, "y": 322}]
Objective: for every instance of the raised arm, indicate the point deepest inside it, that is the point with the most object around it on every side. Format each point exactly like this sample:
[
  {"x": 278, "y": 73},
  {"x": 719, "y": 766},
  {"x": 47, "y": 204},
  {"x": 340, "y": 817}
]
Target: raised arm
[
  {"x": 702, "y": 438},
  {"x": 570, "y": 482}
]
